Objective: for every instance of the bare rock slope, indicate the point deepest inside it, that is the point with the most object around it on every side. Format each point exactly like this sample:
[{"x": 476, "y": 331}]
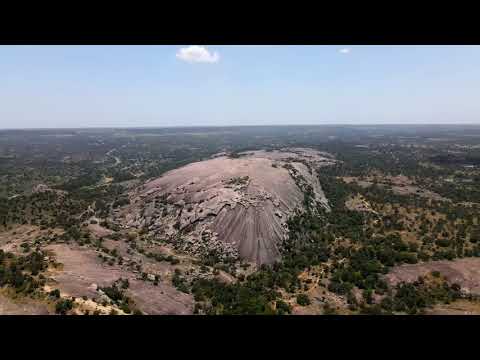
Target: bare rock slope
[
  {"x": 231, "y": 206},
  {"x": 465, "y": 272}
]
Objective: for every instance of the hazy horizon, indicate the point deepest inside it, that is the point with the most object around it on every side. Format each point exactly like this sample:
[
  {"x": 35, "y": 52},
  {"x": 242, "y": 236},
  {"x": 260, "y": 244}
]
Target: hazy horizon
[
  {"x": 239, "y": 126},
  {"x": 73, "y": 87}
]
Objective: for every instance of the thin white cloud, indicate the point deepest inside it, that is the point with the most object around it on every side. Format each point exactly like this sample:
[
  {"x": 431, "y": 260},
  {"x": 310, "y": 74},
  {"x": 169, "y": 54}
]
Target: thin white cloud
[
  {"x": 345, "y": 51},
  {"x": 199, "y": 54}
]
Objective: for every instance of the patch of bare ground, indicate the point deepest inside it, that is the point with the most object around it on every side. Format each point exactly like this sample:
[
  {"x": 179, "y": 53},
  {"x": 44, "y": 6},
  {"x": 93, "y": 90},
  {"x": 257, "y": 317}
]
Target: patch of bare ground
[
  {"x": 160, "y": 300},
  {"x": 358, "y": 203},
  {"x": 83, "y": 273},
  {"x": 458, "y": 307},
  {"x": 430, "y": 165},
  {"x": 83, "y": 305},
  {"x": 97, "y": 230},
  {"x": 320, "y": 297},
  {"x": 225, "y": 278},
  {"x": 411, "y": 189},
  {"x": 12, "y": 239},
  {"x": 465, "y": 272},
  {"x": 121, "y": 247},
  {"x": 400, "y": 185},
  {"x": 10, "y": 304},
  {"x": 149, "y": 264},
  {"x": 314, "y": 284}
]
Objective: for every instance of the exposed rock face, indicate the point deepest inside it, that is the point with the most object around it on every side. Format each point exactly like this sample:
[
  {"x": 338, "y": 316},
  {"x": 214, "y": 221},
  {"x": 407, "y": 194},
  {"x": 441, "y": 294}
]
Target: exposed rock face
[
  {"x": 465, "y": 272},
  {"x": 232, "y": 206},
  {"x": 41, "y": 188}
]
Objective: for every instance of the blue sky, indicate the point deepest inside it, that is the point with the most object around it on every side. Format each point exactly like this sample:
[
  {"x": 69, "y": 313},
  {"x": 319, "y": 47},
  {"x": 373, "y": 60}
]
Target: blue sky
[{"x": 128, "y": 86}]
